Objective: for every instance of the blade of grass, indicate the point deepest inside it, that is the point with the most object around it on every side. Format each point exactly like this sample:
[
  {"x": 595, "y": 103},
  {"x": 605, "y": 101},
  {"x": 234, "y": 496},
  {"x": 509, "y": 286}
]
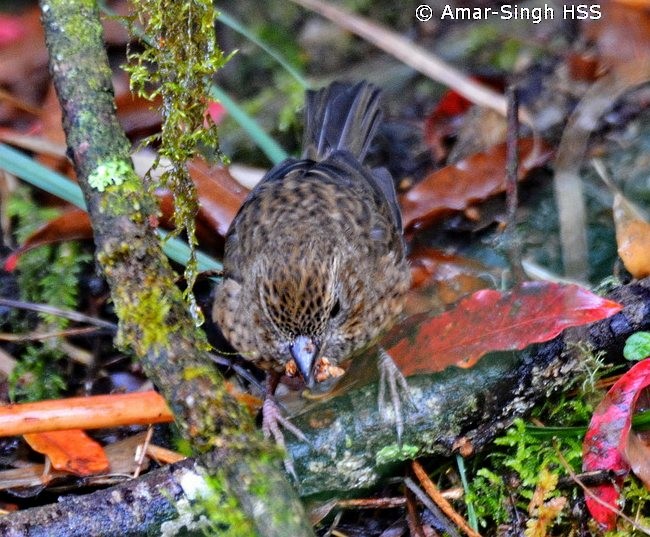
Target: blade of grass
[
  {"x": 41, "y": 177},
  {"x": 471, "y": 512},
  {"x": 235, "y": 25},
  {"x": 267, "y": 144},
  {"x": 553, "y": 432},
  {"x": 16, "y": 163}
]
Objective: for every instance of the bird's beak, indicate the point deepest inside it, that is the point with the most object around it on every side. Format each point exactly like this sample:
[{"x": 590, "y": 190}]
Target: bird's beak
[{"x": 304, "y": 351}]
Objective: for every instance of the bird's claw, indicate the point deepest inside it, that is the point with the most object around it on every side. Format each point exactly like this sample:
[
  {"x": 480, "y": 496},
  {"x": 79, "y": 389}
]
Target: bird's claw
[
  {"x": 392, "y": 379},
  {"x": 272, "y": 420}
]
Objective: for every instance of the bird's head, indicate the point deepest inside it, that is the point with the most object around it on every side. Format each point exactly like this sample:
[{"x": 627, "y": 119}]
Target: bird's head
[{"x": 304, "y": 307}]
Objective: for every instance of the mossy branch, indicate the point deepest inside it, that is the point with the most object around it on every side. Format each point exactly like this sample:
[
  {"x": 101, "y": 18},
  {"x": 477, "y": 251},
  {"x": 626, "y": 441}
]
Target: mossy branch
[{"x": 154, "y": 321}]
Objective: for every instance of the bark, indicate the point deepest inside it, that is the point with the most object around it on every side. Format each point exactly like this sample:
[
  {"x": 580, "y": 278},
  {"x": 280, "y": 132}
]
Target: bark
[
  {"x": 154, "y": 320},
  {"x": 134, "y": 508}
]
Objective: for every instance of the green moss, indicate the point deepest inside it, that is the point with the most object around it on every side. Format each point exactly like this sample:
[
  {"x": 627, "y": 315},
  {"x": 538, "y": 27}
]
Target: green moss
[
  {"x": 180, "y": 43},
  {"x": 395, "y": 453},
  {"x": 149, "y": 312},
  {"x": 220, "y": 506},
  {"x": 191, "y": 373},
  {"x": 50, "y": 275}
]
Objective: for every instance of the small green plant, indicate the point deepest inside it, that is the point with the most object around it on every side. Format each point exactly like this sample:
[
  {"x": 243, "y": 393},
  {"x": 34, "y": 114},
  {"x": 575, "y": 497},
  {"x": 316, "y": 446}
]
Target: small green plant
[
  {"x": 526, "y": 459},
  {"x": 49, "y": 275},
  {"x": 510, "y": 476},
  {"x": 637, "y": 498},
  {"x": 37, "y": 375},
  {"x": 637, "y": 346},
  {"x": 506, "y": 480}
]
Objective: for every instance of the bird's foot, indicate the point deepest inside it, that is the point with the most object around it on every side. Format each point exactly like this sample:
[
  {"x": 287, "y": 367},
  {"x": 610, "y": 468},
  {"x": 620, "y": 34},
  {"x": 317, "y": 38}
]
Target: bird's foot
[
  {"x": 272, "y": 422},
  {"x": 392, "y": 380}
]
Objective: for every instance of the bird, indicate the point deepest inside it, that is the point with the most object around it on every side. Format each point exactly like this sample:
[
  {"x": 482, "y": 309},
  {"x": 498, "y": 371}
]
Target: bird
[{"x": 314, "y": 266}]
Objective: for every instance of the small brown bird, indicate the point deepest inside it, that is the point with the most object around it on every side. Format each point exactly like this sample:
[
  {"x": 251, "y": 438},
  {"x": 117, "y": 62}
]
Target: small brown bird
[{"x": 314, "y": 264}]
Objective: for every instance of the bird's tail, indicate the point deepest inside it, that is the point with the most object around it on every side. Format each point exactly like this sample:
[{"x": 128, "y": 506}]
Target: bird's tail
[{"x": 341, "y": 117}]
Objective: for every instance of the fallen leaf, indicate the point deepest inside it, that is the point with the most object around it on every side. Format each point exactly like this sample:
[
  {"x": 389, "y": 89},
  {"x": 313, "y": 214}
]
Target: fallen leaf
[
  {"x": 458, "y": 186},
  {"x": 138, "y": 116},
  {"x": 23, "y": 59},
  {"x": 70, "y": 451},
  {"x": 622, "y": 34},
  {"x": 12, "y": 29},
  {"x": 610, "y": 441},
  {"x": 632, "y": 237},
  {"x": 220, "y": 196},
  {"x": 72, "y": 224},
  {"x": 439, "y": 279},
  {"x": 491, "y": 321},
  {"x": 120, "y": 454}
]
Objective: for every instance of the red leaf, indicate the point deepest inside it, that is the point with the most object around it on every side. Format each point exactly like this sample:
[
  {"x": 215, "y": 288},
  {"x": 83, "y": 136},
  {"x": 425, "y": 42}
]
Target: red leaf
[
  {"x": 445, "y": 119},
  {"x": 11, "y": 262},
  {"x": 457, "y": 186},
  {"x": 608, "y": 437},
  {"x": 489, "y": 321}
]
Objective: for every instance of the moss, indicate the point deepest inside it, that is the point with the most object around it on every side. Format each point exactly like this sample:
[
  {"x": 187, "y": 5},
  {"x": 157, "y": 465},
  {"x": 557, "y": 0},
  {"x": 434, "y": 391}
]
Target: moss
[
  {"x": 225, "y": 516},
  {"x": 395, "y": 453},
  {"x": 149, "y": 312},
  {"x": 184, "y": 68}
]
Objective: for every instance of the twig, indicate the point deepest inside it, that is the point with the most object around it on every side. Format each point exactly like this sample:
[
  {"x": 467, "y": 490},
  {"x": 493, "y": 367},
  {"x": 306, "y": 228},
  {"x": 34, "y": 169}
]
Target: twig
[
  {"x": 141, "y": 452},
  {"x": 431, "y": 506},
  {"x": 372, "y": 503},
  {"x": 36, "y": 336},
  {"x": 433, "y": 492},
  {"x": 414, "y": 56},
  {"x": 19, "y": 103},
  {"x": 512, "y": 167},
  {"x": 163, "y": 455},
  {"x": 59, "y": 312},
  {"x": 332, "y": 529},
  {"x": 567, "y": 183},
  {"x": 412, "y": 518},
  {"x": 589, "y": 493}
]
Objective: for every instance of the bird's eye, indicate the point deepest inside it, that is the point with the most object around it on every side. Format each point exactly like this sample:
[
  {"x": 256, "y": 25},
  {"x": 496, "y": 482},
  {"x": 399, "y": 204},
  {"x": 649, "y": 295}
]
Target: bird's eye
[{"x": 336, "y": 309}]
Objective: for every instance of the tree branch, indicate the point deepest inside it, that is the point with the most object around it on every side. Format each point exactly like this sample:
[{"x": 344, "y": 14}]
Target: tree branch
[{"x": 154, "y": 322}]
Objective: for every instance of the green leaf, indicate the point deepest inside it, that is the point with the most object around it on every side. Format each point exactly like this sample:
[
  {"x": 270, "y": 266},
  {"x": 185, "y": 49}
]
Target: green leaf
[{"x": 637, "y": 346}]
